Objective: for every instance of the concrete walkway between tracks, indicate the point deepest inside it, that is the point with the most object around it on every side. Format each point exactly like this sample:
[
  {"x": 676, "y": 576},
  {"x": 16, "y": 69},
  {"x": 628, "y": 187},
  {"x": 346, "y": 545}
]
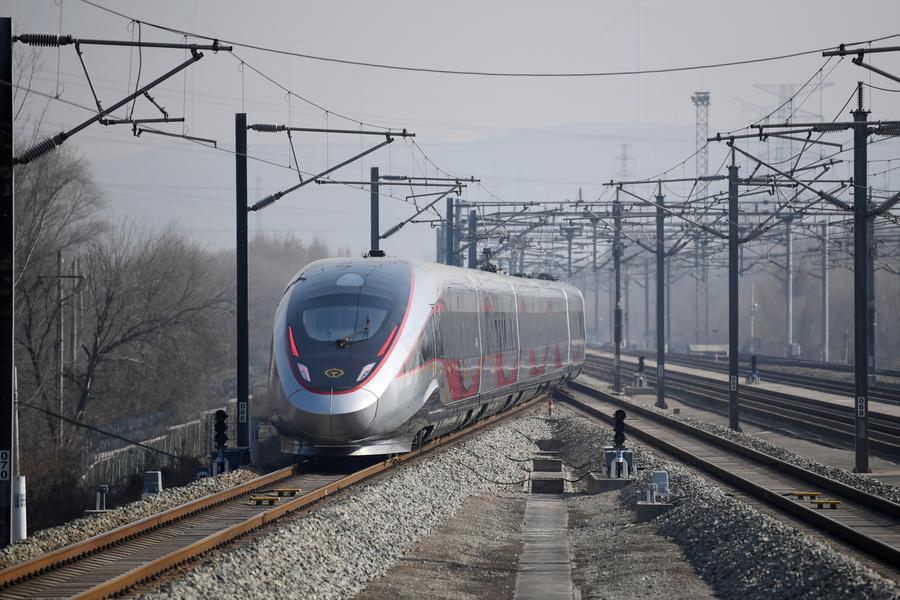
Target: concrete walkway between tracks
[{"x": 545, "y": 567}]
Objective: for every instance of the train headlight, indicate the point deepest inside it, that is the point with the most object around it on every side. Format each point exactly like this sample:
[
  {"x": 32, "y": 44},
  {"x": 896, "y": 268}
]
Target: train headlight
[
  {"x": 304, "y": 372},
  {"x": 365, "y": 371}
]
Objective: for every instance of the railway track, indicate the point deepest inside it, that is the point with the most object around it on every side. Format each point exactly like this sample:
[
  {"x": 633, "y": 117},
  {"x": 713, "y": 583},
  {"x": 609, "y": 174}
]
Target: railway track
[
  {"x": 112, "y": 562},
  {"x": 828, "y": 421},
  {"x": 888, "y": 393},
  {"x": 868, "y": 522}
]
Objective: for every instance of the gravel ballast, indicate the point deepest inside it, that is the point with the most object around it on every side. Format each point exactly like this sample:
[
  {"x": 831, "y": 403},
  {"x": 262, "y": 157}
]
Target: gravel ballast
[
  {"x": 335, "y": 550},
  {"x": 53, "y": 538},
  {"x": 739, "y": 551}
]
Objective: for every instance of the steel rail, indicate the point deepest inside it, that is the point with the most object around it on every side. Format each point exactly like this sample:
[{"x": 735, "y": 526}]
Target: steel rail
[
  {"x": 106, "y": 539},
  {"x": 831, "y": 422},
  {"x": 711, "y": 388},
  {"x": 888, "y": 393},
  {"x": 48, "y": 562},
  {"x": 768, "y": 359},
  {"x": 876, "y": 548}
]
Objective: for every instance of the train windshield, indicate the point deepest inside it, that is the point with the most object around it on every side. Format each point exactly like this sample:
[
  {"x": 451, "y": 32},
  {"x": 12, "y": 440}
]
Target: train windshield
[
  {"x": 341, "y": 325},
  {"x": 344, "y": 319}
]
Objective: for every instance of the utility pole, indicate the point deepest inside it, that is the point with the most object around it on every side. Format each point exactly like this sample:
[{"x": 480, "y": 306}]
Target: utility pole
[
  {"x": 596, "y": 277},
  {"x": 617, "y": 314},
  {"x": 457, "y": 234},
  {"x": 696, "y": 274},
  {"x": 668, "y": 301},
  {"x": 789, "y": 286},
  {"x": 448, "y": 234},
  {"x": 704, "y": 243},
  {"x": 860, "y": 283},
  {"x": 59, "y": 349},
  {"x": 242, "y": 284},
  {"x": 75, "y": 308},
  {"x": 661, "y": 277},
  {"x": 7, "y": 291},
  {"x": 646, "y": 343},
  {"x": 823, "y": 356},
  {"x": 473, "y": 230},
  {"x": 626, "y": 312},
  {"x": 440, "y": 245},
  {"x": 569, "y": 232},
  {"x": 871, "y": 252},
  {"x": 612, "y": 309},
  {"x": 733, "y": 295},
  {"x": 752, "y": 315},
  {"x": 373, "y": 211}
]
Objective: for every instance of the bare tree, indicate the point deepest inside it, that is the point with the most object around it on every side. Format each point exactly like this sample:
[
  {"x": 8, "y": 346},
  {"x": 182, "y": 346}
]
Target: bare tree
[
  {"x": 56, "y": 207},
  {"x": 141, "y": 289}
]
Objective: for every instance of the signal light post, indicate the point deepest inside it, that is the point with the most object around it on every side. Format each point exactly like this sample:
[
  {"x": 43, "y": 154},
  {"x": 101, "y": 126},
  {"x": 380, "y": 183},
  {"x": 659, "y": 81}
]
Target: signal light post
[
  {"x": 619, "y": 429},
  {"x": 221, "y": 463},
  {"x": 221, "y": 429}
]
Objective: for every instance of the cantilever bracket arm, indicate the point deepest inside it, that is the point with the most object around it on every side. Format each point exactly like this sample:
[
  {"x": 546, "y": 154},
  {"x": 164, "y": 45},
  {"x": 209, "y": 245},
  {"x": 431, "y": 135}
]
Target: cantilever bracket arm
[
  {"x": 50, "y": 40},
  {"x": 48, "y": 145},
  {"x": 823, "y": 195},
  {"x": 668, "y": 211},
  {"x": 859, "y": 61},
  {"x": 400, "y": 225},
  {"x": 501, "y": 225},
  {"x": 272, "y": 128},
  {"x": 842, "y": 50},
  {"x": 271, "y": 199}
]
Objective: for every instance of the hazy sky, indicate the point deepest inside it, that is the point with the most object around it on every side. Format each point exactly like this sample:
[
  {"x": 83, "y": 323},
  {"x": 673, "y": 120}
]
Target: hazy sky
[{"x": 528, "y": 139}]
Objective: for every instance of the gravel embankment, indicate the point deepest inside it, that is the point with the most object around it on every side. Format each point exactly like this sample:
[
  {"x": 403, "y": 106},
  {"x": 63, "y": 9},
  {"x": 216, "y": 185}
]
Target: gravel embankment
[
  {"x": 739, "y": 551},
  {"x": 333, "y": 551},
  {"x": 859, "y": 481},
  {"x": 53, "y": 538}
]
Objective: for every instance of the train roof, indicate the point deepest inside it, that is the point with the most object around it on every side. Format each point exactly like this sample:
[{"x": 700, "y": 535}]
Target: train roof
[{"x": 438, "y": 269}]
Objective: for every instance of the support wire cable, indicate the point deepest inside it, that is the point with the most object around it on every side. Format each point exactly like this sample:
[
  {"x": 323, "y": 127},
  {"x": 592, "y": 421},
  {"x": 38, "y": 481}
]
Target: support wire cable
[{"x": 489, "y": 73}]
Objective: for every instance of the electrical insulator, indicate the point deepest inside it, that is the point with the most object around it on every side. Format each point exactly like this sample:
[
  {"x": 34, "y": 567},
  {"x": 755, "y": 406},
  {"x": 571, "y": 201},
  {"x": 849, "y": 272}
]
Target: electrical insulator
[
  {"x": 44, "y": 39},
  {"x": 38, "y": 150},
  {"x": 266, "y": 127},
  {"x": 266, "y": 201}
]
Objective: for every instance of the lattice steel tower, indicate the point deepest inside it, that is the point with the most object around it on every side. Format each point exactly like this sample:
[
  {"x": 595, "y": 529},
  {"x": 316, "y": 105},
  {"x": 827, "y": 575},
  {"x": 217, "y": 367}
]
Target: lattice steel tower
[{"x": 701, "y": 102}]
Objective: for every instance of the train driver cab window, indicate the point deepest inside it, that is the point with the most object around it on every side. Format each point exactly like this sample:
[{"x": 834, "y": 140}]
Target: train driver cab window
[{"x": 332, "y": 319}]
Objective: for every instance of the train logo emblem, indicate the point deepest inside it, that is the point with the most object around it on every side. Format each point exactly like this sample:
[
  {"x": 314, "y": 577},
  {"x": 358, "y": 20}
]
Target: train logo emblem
[{"x": 333, "y": 373}]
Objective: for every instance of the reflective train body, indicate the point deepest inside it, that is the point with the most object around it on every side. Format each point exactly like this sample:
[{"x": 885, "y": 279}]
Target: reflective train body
[{"x": 376, "y": 355}]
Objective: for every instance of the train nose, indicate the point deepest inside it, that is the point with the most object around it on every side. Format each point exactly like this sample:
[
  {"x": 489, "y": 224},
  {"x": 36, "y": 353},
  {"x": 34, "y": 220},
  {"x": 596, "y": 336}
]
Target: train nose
[{"x": 334, "y": 417}]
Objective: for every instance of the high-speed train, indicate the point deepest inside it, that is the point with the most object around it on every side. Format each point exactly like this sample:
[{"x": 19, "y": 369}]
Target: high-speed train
[{"x": 377, "y": 355}]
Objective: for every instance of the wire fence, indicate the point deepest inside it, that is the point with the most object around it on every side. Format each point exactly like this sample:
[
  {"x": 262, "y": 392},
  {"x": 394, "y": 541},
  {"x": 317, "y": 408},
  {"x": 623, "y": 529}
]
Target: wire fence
[{"x": 193, "y": 439}]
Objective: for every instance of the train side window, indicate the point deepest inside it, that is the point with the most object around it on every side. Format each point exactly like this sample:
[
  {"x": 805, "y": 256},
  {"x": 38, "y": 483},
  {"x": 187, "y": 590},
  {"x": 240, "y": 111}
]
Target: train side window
[{"x": 427, "y": 345}]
